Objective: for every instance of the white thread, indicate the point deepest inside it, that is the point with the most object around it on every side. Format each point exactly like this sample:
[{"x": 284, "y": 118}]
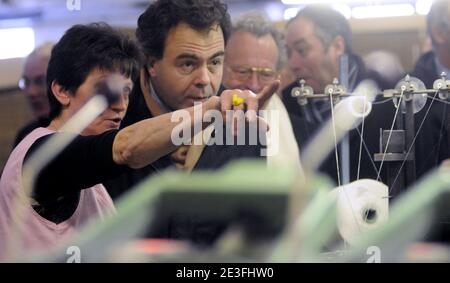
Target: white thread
[
  {"x": 414, "y": 141},
  {"x": 335, "y": 142},
  {"x": 361, "y": 137}
]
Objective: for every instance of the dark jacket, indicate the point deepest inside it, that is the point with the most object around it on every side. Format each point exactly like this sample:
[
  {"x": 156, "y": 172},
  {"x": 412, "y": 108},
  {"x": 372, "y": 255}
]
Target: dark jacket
[
  {"x": 198, "y": 230},
  {"x": 432, "y": 145},
  {"x": 213, "y": 156},
  {"x": 426, "y": 69},
  {"x": 357, "y": 73},
  {"x": 306, "y": 122}
]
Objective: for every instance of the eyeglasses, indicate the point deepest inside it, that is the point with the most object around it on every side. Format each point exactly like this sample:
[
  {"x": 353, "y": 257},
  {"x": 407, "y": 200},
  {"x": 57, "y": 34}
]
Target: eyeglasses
[
  {"x": 37, "y": 81},
  {"x": 244, "y": 73}
]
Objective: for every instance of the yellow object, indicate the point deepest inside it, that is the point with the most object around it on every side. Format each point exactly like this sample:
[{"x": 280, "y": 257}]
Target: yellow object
[{"x": 237, "y": 100}]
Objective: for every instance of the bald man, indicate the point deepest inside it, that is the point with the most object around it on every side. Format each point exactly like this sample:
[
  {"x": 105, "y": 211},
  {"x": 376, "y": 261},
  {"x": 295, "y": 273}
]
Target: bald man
[{"x": 33, "y": 84}]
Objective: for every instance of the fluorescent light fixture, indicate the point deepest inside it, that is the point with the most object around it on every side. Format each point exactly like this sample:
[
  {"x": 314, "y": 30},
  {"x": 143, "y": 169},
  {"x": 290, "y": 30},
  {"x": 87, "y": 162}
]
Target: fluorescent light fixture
[
  {"x": 307, "y": 2},
  {"x": 423, "y": 6},
  {"x": 380, "y": 11},
  {"x": 289, "y": 13},
  {"x": 274, "y": 11},
  {"x": 345, "y": 10},
  {"x": 16, "y": 42}
]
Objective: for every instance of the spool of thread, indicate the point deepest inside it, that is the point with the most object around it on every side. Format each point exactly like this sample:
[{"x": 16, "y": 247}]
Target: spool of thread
[{"x": 362, "y": 206}]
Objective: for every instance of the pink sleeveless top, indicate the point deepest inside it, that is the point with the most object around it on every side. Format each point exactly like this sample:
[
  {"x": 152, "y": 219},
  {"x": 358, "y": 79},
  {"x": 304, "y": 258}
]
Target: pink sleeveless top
[{"x": 35, "y": 232}]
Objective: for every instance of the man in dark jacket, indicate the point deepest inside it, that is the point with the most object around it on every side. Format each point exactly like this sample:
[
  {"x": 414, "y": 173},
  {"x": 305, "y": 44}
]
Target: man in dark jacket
[
  {"x": 432, "y": 144},
  {"x": 318, "y": 39},
  {"x": 184, "y": 46},
  {"x": 33, "y": 84}
]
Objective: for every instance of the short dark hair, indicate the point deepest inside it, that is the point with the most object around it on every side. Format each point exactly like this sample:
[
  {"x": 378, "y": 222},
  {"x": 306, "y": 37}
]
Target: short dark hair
[
  {"x": 438, "y": 16},
  {"x": 328, "y": 23},
  {"x": 162, "y": 15},
  {"x": 84, "y": 48}
]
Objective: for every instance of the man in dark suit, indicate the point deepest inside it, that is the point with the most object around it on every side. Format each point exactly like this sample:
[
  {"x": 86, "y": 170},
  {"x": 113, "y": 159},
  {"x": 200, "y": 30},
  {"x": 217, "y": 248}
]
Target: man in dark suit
[
  {"x": 318, "y": 38},
  {"x": 432, "y": 146}
]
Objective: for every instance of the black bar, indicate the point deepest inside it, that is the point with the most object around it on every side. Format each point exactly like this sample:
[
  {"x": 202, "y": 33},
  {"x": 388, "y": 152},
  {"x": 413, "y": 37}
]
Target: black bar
[{"x": 409, "y": 137}]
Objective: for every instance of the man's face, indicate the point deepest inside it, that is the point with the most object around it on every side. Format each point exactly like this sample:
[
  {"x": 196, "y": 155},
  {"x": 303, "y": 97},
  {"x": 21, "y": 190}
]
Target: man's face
[
  {"x": 34, "y": 85},
  {"x": 250, "y": 62},
  {"x": 191, "y": 68},
  {"x": 110, "y": 118},
  {"x": 441, "y": 36},
  {"x": 308, "y": 58}
]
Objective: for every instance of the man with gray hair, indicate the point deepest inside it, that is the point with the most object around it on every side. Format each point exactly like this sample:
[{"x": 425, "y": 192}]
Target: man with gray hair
[
  {"x": 33, "y": 84},
  {"x": 258, "y": 27},
  {"x": 254, "y": 57}
]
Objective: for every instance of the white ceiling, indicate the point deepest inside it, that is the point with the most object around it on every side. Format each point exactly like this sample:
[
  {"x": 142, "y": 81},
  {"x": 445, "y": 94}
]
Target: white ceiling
[
  {"x": 50, "y": 18},
  {"x": 121, "y": 11},
  {"x": 124, "y": 12}
]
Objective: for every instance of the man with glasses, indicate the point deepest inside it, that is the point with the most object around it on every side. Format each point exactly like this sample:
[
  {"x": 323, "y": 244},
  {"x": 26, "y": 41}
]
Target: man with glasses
[
  {"x": 33, "y": 84},
  {"x": 246, "y": 74},
  {"x": 254, "y": 57}
]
